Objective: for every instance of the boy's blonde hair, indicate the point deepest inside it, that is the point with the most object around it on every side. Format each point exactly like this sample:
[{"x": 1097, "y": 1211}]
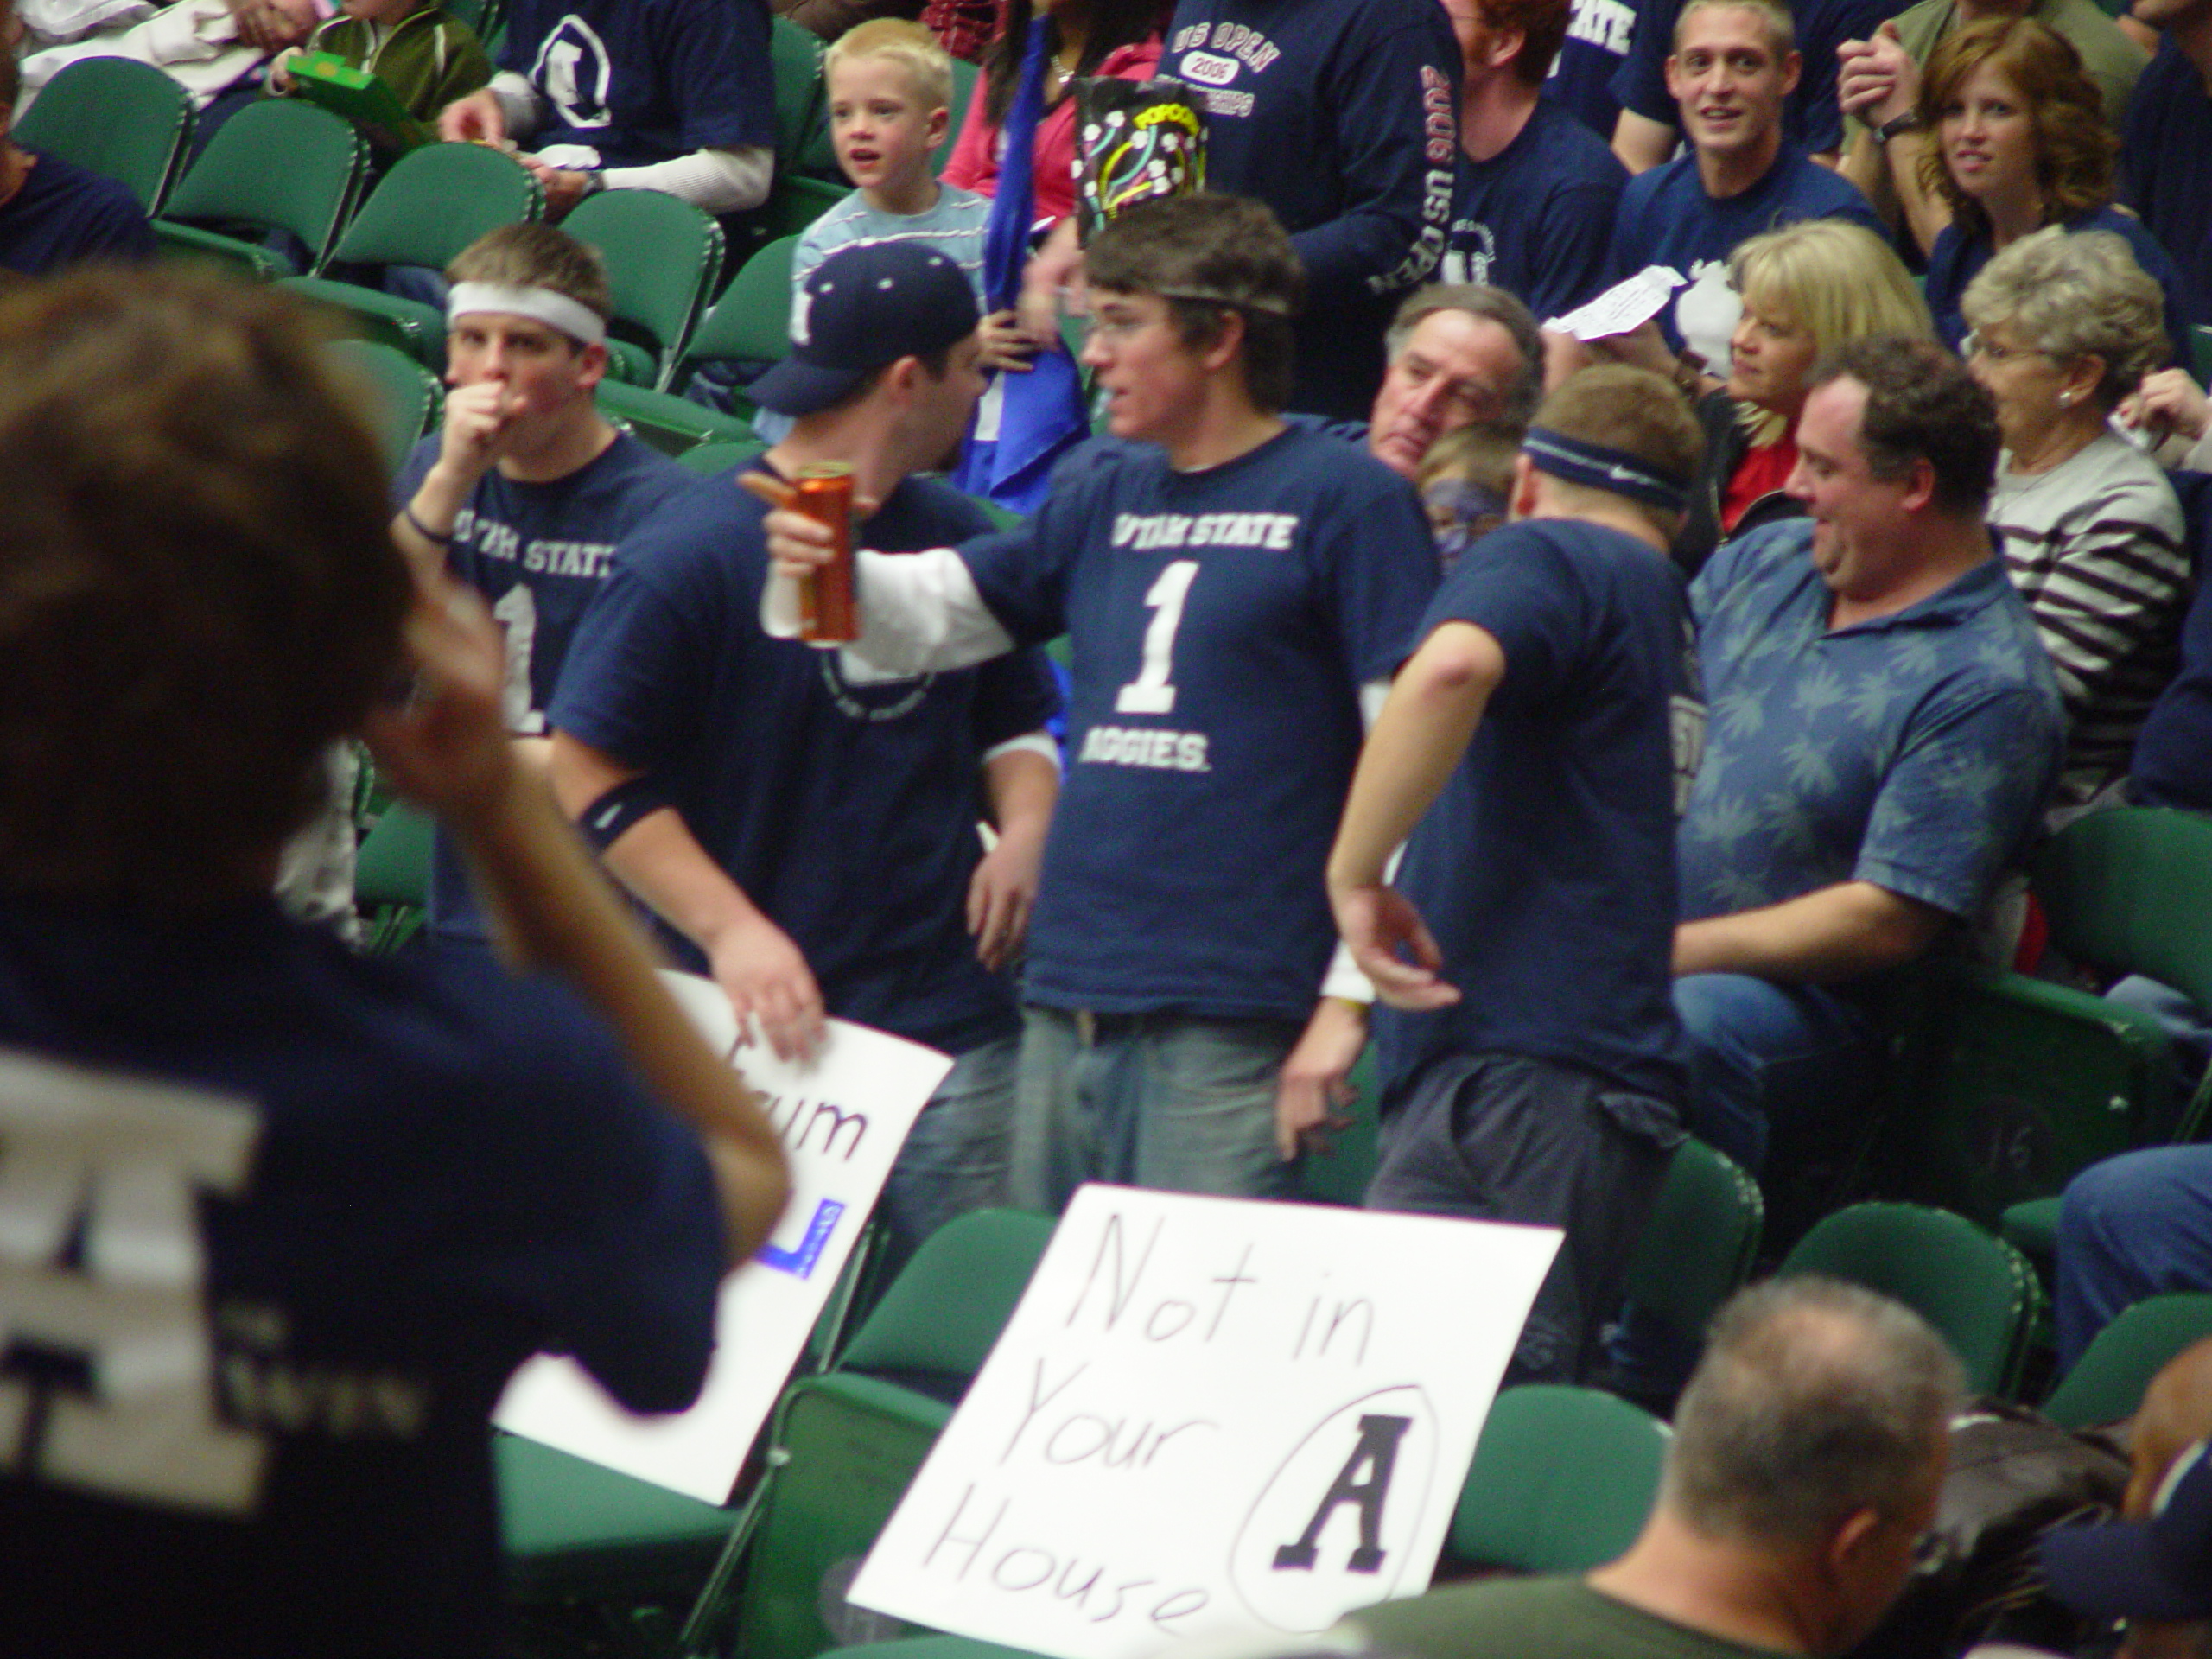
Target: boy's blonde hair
[{"x": 905, "y": 43}]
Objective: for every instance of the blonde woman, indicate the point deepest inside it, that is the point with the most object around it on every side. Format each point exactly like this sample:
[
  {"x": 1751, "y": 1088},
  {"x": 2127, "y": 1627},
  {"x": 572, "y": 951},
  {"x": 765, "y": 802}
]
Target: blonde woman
[{"x": 1806, "y": 288}]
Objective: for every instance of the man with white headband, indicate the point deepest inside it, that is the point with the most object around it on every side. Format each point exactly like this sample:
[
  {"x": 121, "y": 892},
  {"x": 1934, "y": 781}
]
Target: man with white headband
[
  {"x": 1531, "y": 1066},
  {"x": 526, "y": 490}
]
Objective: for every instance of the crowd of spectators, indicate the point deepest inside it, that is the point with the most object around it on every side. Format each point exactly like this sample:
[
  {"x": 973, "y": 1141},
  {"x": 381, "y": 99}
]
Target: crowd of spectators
[{"x": 1606, "y": 722}]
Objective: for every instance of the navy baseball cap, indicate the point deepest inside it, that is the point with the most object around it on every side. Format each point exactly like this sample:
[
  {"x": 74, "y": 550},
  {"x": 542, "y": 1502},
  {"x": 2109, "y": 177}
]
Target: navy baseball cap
[
  {"x": 865, "y": 306},
  {"x": 2160, "y": 1568}
]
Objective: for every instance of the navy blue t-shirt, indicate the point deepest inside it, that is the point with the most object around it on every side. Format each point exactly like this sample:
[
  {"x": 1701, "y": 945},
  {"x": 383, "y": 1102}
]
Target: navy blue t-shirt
[
  {"x": 1957, "y": 258},
  {"x": 1536, "y": 218},
  {"x": 423, "y": 1176},
  {"x": 538, "y": 553},
  {"x": 645, "y": 80},
  {"x": 2166, "y": 164},
  {"x": 65, "y": 215},
  {"x": 1222, "y": 623},
  {"x": 1667, "y": 219},
  {"x": 1545, "y": 868},
  {"x": 846, "y": 811},
  {"x": 2172, "y": 765},
  {"x": 1342, "y": 115},
  {"x": 1811, "y": 121},
  {"x": 1598, "y": 35}
]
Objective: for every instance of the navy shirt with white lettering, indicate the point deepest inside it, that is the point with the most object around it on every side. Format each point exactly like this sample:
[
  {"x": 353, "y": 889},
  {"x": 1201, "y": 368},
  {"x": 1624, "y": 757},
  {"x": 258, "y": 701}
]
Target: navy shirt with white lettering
[
  {"x": 1598, "y": 35},
  {"x": 1342, "y": 115},
  {"x": 1545, "y": 868},
  {"x": 846, "y": 811},
  {"x": 1222, "y": 623},
  {"x": 1536, "y": 218},
  {"x": 645, "y": 80},
  {"x": 442, "y": 1171},
  {"x": 538, "y": 553}
]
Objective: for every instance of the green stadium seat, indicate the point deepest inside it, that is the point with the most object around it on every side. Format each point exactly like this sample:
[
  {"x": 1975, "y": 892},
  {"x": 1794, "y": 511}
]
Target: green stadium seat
[
  {"x": 1976, "y": 1290},
  {"x": 117, "y": 117},
  {"x": 433, "y": 202},
  {"x": 2106, "y": 1383},
  {"x": 275, "y": 165},
  {"x": 407, "y": 396},
  {"x": 392, "y": 877},
  {"x": 663, "y": 256},
  {"x": 1561, "y": 1482},
  {"x": 1699, "y": 1245}
]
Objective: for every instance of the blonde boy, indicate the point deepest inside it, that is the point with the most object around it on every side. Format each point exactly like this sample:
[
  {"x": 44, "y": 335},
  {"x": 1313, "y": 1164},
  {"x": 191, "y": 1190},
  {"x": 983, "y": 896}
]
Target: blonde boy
[{"x": 890, "y": 87}]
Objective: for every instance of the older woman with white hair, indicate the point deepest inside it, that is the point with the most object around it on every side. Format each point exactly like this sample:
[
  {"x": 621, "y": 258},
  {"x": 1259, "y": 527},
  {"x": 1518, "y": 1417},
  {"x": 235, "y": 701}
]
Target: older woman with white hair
[{"x": 2064, "y": 326}]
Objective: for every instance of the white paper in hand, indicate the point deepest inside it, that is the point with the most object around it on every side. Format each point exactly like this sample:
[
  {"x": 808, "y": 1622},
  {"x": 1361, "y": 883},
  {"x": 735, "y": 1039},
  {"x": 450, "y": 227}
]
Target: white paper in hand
[
  {"x": 843, "y": 1118},
  {"x": 1626, "y": 305}
]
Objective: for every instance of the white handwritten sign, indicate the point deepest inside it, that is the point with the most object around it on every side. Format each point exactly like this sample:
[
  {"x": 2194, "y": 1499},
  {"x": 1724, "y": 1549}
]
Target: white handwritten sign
[
  {"x": 1627, "y": 304},
  {"x": 842, "y": 1119},
  {"x": 1208, "y": 1417}
]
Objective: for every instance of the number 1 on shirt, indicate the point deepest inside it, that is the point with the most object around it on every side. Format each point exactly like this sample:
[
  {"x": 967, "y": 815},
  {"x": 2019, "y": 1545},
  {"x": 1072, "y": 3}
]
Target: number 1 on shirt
[{"x": 1151, "y": 692}]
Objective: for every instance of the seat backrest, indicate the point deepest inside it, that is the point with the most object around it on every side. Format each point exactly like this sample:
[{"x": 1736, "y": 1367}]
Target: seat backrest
[
  {"x": 1698, "y": 1245},
  {"x": 795, "y": 55},
  {"x": 1562, "y": 1480},
  {"x": 280, "y": 164},
  {"x": 662, "y": 255},
  {"x": 393, "y": 865},
  {"x": 1975, "y": 1289},
  {"x": 407, "y": 395},
  {"x": 2106, "y": 1383},
  {"x": 117, "y": 117},
  {"x": 435, "y": 201},
  {"x": 711, "y": 458},
  {"x": 2129, "y": 890},
  {"x": 753, "y": 319},
  {"x": 948, "y": 1306}
]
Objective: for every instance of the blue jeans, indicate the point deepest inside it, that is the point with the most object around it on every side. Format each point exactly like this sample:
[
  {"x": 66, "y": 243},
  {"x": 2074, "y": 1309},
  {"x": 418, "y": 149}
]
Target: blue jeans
[
  {"x": 1765, "y": 1056},
  {"x": 954, "y": 1159},
  {"x": 2131, "y": 1227},
  {"x": 1168, "y": 1100}
]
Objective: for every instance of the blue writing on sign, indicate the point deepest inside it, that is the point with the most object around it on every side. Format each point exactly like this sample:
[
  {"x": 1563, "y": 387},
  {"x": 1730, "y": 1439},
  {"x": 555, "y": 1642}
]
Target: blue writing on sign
[{"x": 799, "y": 1263}]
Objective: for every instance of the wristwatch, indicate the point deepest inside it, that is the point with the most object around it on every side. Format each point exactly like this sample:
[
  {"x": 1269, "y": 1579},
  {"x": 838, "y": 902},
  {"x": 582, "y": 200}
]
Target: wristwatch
[
  {"x": 1909, "y": 122},
  {"x": 594, "y": 181}
]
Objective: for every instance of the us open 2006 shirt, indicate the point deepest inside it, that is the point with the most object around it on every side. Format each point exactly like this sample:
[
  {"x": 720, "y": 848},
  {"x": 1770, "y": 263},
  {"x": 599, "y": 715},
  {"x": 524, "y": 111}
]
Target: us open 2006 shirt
[{"x": 1222, "y": 624}]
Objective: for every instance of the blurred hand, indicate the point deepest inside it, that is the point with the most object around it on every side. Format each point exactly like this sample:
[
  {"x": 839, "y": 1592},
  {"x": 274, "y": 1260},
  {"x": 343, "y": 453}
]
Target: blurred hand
[
  {"x": 1005, "y": 344},
  {"x": 476, "y": 119},
  {"x": 1312, "y": 1092},
  {"x": 446, "y": 746},
  {"x": 765, "y": 978},
  {"x": 1393, "y": 947},
  {"x": 2168, "y": 404}
]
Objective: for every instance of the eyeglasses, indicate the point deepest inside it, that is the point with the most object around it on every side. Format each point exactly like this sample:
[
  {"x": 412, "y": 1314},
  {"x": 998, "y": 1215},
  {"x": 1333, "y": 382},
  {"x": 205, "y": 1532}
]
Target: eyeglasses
[
  {"x": 1975, "y": 346},
  {"x": 1116, "y": 328}
]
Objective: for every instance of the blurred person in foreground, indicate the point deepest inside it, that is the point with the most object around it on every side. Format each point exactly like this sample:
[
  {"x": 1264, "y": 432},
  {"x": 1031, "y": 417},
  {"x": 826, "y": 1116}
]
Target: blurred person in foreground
[{"x": 279, "y": 1221}]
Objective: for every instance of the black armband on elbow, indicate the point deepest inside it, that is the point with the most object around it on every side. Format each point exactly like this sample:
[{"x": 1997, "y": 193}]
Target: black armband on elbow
[{"x": 605, "y": 819}]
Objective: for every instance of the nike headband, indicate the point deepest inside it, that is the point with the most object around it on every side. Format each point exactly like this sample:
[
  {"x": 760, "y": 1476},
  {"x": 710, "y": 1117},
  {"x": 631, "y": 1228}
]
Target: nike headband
[
  {"x": 1581, "y": 463},
  {"x": 579, "y": 322}
]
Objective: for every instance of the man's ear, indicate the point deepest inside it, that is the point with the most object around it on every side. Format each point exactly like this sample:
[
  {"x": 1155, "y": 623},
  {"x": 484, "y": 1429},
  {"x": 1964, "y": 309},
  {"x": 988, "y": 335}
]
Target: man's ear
[
  {"x": 1520, "y": 498},
  {"x": 1919, "y": 485},
  {"x": 1505, "y": 46},
  {"x": 1673, "y": 78},
  {"x": 591, "y": 367},
  {"x": 1226, "y": 343},
  {"x": 1793, "y": 67}
]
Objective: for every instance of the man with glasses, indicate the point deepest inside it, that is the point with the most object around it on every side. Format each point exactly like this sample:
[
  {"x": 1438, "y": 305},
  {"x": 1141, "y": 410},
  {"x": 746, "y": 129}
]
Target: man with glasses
[{"x": 1229, "y": 584}]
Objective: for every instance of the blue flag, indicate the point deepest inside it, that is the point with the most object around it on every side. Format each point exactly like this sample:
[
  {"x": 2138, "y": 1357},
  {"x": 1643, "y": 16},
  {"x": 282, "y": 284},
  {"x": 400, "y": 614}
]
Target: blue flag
[{"x": 1040, "y": 413}]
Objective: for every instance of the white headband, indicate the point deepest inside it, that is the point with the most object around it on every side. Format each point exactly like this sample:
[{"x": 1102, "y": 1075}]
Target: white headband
[{"x": 540, "y": 304}]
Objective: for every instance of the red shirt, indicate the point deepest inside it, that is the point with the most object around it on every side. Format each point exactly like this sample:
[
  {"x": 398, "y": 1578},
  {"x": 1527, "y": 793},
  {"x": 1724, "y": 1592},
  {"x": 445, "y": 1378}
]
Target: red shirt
[
  {"x": 1761, "y": 472},
  {"x": 974, "y": 164}
]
